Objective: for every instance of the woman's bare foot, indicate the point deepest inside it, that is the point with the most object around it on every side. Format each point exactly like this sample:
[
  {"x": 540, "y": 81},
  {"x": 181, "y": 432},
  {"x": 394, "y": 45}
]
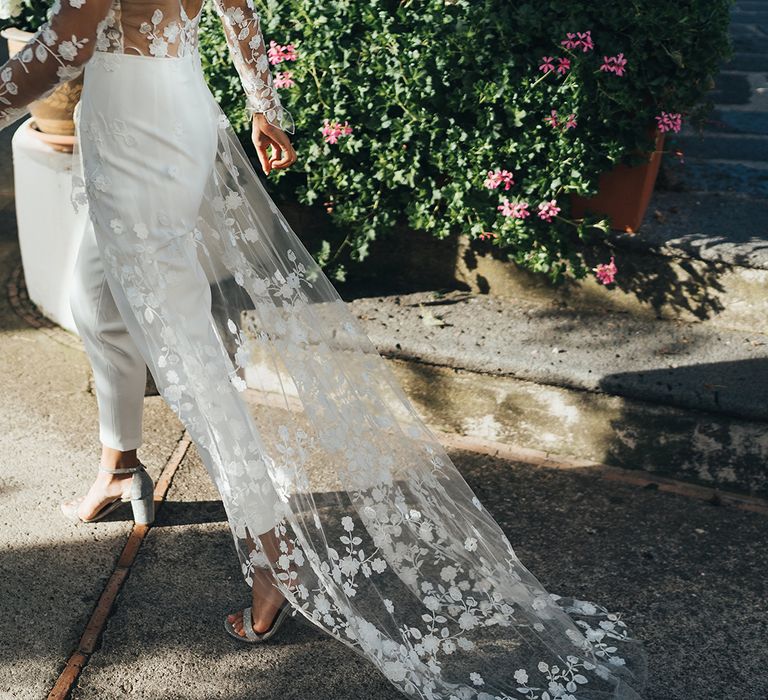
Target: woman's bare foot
[
  {"x": 265, "y": 602},
  {"x": 266, "y": 599},
  {"x": 106, "y": 487}
]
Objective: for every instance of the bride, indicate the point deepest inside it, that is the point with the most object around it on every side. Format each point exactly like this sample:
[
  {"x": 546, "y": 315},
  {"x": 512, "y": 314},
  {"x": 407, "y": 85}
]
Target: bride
[{"x": 343, "y": 506}]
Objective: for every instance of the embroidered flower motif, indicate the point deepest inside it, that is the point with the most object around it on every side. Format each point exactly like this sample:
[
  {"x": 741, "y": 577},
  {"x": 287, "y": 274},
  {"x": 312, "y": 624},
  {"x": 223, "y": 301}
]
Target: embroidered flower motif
[
  {"x": 141, "y": 230},
  {"x": 120, "y": 131}
]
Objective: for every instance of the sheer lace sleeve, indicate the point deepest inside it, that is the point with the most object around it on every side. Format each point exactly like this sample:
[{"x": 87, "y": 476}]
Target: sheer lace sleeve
[
  {"x": 242, "y": 27},
  {"x": 56, "y": 53}
]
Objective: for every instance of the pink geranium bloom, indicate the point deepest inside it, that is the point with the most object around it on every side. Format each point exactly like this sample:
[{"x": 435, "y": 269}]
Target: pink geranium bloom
[
  {"x": 333, "y": 130},
  {"x": 582, "y": 40},
  {"x": 520, "y": 210},
  {"x": 284, "y": 79},
  {"x": 497, "y": 178},
  {"x": 547, "y": 210},
  {"x": 289, "y": 53},
  {"x": 517, "y": 210},
  {"x": 606, "y": 272},
  {"x": 614, "y": 64},
  {"x": 669, "y": 121},
  {"x": 586, "y": 40},
  {"x": 564, "y": 65},
  {"x": 488, "y": 234},
  {"x": 552, "y": 118},
  {"x": 547, "y": 65},
  {"x": 277, "y": 53},
  {"x": 571, "y": 123}
]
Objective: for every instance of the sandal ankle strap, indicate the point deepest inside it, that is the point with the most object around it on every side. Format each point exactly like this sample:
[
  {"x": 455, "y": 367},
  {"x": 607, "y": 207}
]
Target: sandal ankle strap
[{"x": 126, "y": 470}]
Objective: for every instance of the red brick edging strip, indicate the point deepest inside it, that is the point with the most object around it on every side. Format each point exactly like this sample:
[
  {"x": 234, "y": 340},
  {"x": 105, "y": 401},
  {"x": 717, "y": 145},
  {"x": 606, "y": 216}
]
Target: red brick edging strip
[
  {"x": 88, "y": 641},
  {"x": 537, "y": 458}
]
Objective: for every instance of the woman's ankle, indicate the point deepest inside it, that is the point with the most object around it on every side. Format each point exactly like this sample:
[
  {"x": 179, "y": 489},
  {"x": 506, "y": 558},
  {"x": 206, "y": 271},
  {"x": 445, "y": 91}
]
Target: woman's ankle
[{"x": 118, "y": 459}]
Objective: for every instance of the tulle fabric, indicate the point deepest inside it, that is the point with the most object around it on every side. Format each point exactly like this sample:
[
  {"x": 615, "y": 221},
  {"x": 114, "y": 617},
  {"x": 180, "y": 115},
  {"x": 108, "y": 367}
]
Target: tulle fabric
[{"x": 301, "y": 425}]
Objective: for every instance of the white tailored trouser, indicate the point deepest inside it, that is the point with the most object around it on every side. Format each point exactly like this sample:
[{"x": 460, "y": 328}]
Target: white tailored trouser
[{"x": 119, "y": 370}]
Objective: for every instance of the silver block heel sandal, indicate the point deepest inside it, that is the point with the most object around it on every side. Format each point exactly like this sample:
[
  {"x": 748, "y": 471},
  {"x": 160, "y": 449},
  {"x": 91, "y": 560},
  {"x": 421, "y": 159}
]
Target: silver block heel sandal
[
  {"x": 253, "y": 637},
  {"x": 141, "y": 496}
]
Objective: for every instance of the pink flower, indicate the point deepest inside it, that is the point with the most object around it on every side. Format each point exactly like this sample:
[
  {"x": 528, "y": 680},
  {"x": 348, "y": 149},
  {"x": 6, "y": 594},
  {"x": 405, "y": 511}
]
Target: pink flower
[
  {"x": 669, "y": 121},
  {"x": 332, "y": 131},
  {"x": 547, "y": 210},
  {"x": 606, "y": 272},
  {"x": 571, "y": 123},
  {"x": 564, "y": 65},
  {"x": 578, "y": 39},
  {"x": 284, "y": 79},
  {"x": 614, "y": 64},
  {"x": 517, "y": 210},
  {"x": 497, "y": 177},
  {"x": 547, "y": 65},
  {"x": 277, "y": 53},
  {"x": 488, "y": 234},
  {"x": 552, "y": 118}
]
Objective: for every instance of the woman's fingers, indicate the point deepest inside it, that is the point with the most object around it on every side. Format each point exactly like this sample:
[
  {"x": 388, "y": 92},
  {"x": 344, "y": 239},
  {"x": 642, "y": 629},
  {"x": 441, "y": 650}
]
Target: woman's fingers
[
  {"x": 286, "y": 157},
  {"x": 283, "y": 154},
  {"x": 262, "y": 151}
]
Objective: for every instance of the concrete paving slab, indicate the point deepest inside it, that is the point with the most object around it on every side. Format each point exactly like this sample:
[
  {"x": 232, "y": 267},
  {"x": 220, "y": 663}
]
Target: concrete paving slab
[
  {"x": 733, "y": 181},
  {"x": 166, "y": 639},
  {"x": 690, "y": 578},
  {"x": 51, "y": 572},
  {"x": 718, "y": 145},
  {"x": 692, "y": 446},
  {"x": 740, "y": 91},
  {"x": 739, "y": 122},
  {"x": 712, "y": 226},
  {"x": 666, "y": 362},
  {"x": 747, "y": 62}
]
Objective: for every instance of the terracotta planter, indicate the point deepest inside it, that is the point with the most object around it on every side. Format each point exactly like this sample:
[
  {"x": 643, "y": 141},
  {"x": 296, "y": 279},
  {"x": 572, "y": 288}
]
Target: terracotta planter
[
  {"x": 52, "y": 114},
  {"x": 624, "y": 192}
]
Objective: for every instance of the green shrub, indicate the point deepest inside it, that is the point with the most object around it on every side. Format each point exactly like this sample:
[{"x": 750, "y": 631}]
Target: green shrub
[
  {"x": 439, "y": 92},
  {"x": 26, "y": 15}
]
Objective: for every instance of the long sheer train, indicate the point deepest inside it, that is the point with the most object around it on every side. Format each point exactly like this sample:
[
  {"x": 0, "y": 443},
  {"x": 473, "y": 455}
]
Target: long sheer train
[{"x": 382, "y": 543}]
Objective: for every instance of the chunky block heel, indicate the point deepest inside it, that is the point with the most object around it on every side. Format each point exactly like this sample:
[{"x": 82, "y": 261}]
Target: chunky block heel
[
  {"x": 143, "y": 498},
  {"x": 141, "y": 495}
]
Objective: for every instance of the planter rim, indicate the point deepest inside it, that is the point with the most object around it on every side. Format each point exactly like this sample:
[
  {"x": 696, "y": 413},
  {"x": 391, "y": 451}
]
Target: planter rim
[{"x": 15, "y": 33}]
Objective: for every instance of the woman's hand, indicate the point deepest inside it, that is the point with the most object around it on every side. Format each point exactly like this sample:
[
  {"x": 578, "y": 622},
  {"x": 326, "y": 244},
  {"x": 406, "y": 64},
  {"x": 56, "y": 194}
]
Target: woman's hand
[{"x": 265, "y": 135}]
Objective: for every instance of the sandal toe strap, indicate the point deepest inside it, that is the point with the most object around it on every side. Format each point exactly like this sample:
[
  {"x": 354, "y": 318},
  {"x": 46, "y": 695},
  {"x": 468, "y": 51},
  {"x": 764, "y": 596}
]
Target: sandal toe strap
[{"x": 248, "y": 625}]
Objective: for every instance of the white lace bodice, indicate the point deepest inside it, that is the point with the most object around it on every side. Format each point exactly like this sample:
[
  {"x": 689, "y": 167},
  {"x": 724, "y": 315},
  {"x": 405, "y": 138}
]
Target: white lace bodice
[{"x": 77, "y": 29}]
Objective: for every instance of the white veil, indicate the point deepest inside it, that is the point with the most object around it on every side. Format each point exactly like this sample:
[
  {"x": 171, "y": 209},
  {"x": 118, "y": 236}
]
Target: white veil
[
  {"x": 383, "y": 543},
  {"x": 302, "y": 426}
]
